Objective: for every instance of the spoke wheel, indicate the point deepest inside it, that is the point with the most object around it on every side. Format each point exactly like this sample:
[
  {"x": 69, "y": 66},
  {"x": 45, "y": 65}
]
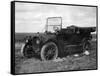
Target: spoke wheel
[
  {"x": 28, "y": 51},
  {"x": 86, "y": 46},
  {"x": 49, "y": 51}
]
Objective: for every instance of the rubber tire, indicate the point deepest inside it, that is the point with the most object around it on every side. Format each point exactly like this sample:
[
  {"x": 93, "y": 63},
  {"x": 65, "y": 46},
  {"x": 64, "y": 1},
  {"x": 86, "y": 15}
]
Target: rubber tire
[
  {"x": 23, "y": 50},
  {"x": 43, "y": 50},
  {"x": 86, "y": 46}
]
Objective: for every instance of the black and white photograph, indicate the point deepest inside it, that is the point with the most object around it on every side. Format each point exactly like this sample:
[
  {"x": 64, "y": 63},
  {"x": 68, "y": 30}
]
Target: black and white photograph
[{"x": 53, "y": 37}]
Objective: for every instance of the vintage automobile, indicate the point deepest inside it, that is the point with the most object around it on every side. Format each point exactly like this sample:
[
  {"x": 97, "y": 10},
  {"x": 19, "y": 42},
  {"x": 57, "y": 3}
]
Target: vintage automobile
[{"x": 58, "y": 41}]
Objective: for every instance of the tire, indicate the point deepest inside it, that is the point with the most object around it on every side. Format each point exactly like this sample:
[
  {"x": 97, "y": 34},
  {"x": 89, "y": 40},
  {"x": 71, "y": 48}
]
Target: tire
[
  {"x": 49, "y": 51},
  {"x": 27, "y": 51},
  {"x": 86, "y": 46}
]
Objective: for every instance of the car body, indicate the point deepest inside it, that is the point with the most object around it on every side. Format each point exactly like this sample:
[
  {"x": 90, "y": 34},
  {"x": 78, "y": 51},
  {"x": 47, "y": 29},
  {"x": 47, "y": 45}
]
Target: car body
[{"x": 61, "y": 42}]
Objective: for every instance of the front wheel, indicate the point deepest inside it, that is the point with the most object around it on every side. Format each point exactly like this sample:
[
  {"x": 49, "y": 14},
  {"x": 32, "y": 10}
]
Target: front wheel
[
  {"x": 27, "y": 51},
  {"x": 49, "y": 51}
]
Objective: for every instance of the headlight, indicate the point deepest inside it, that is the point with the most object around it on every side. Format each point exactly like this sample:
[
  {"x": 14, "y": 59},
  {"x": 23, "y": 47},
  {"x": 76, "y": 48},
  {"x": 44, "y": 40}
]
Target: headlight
[
  {"x": 37, "y": 41},
  {"x": 26, "y": 41}
]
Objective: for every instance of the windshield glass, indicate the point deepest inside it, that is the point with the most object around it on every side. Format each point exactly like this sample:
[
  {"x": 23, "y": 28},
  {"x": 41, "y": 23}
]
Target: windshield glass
[{"x": 54, "y": 24}]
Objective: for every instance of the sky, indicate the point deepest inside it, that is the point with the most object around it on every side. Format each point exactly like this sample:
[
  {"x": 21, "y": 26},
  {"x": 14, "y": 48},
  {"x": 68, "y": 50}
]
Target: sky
[{"x": 31, "y": 17}]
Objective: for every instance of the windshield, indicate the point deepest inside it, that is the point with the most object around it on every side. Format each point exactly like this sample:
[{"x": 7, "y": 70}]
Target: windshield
[{"x": 54, "y": 24}]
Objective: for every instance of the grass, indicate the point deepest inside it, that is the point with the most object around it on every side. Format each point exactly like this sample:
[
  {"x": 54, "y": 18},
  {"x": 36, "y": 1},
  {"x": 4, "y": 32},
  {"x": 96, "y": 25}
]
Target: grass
[{"x": 68, "y": 63}]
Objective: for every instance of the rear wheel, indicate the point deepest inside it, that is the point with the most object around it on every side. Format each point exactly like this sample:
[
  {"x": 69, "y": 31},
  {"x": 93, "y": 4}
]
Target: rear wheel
[
  {"x": 49, "y": 51},
  {"x": 86, "y": 46}
]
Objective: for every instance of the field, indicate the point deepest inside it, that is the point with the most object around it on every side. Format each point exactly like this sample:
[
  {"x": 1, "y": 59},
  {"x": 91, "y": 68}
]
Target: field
[{"x": 67, "y": 63}]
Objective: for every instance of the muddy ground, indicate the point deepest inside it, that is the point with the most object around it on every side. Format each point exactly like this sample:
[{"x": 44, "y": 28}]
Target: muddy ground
[{"x": 34, "y": 65}]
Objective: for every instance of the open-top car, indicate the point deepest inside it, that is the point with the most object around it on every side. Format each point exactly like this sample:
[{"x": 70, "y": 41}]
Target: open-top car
[{"x": 57, "y": 41}]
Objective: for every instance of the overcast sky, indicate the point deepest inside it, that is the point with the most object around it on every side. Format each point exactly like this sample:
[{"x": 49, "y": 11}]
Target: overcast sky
[{"x": 31, "y": 17}]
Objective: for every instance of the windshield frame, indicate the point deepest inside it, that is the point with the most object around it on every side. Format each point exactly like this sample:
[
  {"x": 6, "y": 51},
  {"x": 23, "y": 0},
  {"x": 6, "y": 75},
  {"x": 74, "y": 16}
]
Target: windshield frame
[{"x": 60, "y": 25}]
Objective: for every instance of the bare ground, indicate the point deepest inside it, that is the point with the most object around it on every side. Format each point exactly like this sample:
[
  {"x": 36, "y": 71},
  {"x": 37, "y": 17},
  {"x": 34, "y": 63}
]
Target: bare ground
[{"x": 34, "y": 65}]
